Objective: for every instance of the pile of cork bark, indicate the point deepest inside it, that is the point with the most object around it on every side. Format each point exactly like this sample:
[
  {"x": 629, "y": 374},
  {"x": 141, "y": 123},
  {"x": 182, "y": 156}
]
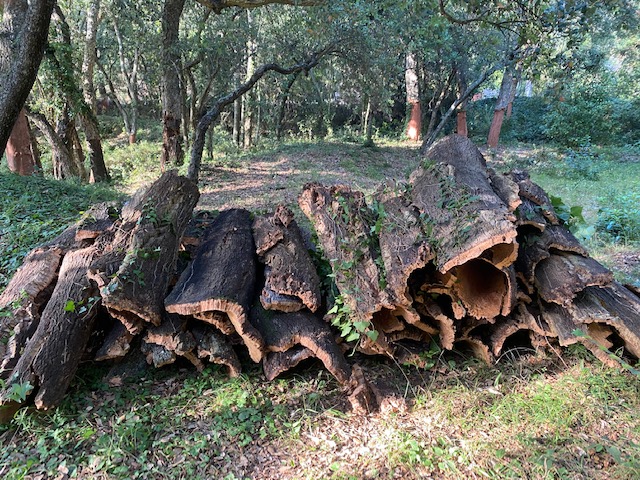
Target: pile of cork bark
[{"x": 460, "y": 256}]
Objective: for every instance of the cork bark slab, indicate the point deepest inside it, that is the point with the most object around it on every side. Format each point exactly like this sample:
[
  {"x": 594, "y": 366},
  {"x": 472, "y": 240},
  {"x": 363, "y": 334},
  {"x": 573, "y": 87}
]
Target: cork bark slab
[
  {"x": 222, "y": 277},
  {"x": 283, "y": 331},
  {"x": 452, "y": 189},
  {"x": 291, "y": 280},
  {"x": 151, "y": 227},
  {"x": 563, "y": 275}
]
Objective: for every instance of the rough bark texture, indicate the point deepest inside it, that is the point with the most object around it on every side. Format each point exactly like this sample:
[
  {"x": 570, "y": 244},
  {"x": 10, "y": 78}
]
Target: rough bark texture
[
  {"x": 116, "y": 345},
  {"x": 150, "y": 232},
  {"x": 172, "y": 151},
  {"x": 343, "y": 223},
  {"x": 402, "y": 292},
  {"x": 89, "y": 56},
  {"x": 215, "y": 348},
  {"x": 469, "y": 219},
  {"x": 561, "y": 276},
  {"x": 466, "y": 222},
  {"x": 30, "y": 288},
  {"x": 27, "y": 27},
  {"x": 222, "y": 277},
  {"x": 292, "y": 282},
  {"x": 404, "y": 249},
  {"x": 172, "y": 334},
  {"x": 99, "y": 171},
  {"x": 63, "y": 165},
  {"x": 539, "y": 246},
  {"x": 614, "y": 306},
  {"x": 276, "y": 363},
  {"x": 283, "y": 331},
  {"x": 52, "y": 355},
  {"x": 502, "y": 103},
  {"x": 535, "y": 194}
]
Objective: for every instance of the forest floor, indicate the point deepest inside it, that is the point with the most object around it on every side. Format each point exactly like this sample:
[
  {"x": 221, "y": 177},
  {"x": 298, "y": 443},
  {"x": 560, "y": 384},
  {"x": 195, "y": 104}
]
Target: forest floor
[{"x": 553, "y": 414}]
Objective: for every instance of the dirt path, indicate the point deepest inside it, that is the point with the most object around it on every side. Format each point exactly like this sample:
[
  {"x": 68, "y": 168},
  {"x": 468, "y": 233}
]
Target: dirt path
[{"x": 260, "y": 183}]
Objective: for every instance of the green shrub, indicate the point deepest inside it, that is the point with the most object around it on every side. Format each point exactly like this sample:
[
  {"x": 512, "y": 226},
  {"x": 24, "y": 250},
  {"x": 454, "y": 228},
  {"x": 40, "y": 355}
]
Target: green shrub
[
  {"x": 479, "y": 115},
  {"x": 581, "y": 163},
  {"x": 524, "y": 125},
  {"x": 620, "y": 217},
  {"x": 526, "y": 122},
  {"x": 591, "y": 113}
]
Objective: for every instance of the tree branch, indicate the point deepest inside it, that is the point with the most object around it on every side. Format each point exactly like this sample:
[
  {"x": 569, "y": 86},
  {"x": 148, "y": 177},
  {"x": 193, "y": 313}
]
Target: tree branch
[{"x": 215, "y": 108}]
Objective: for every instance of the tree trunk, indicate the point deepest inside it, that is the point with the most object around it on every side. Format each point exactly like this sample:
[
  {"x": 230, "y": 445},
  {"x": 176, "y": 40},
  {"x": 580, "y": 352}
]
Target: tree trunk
[
  {"x": 436, "y": 102},
  {"x": 21, "y": 151},
  {"x": 461, "y": 116},
  {"x": 80, "y": 99},
  {"x": 237, "y": 121},
  {"x": 414, "y": 127},
  {"x": 172, "y": 103},
  {"x": 248, "y": 103},
  {"x": 25, "y": 26},
  {"x": 89, "y": 60},
  {"x": 283, "y": 105},
  {"x": 63, "y": 165},
  {"x": 99, "y": 171},
  {"x": 512, "y": 92},
  {"x": 501, "y": 105},
  {"x": 214, "y": 111},
  {"x": 368, "y": 122},
  {"x": 66, "y": 131},
  {"x": 129, "y": 71},
  {"x": 415, "y": 122}
]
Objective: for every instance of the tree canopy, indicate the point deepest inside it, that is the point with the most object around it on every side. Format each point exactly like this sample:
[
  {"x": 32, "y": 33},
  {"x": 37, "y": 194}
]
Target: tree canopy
[{"x": 341, "y": 65}]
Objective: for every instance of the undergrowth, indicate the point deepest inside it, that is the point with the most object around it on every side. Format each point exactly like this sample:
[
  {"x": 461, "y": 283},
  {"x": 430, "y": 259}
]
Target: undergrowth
[
  {"x": 36, "y": 209},
  {"x": 532, "y": 417}
]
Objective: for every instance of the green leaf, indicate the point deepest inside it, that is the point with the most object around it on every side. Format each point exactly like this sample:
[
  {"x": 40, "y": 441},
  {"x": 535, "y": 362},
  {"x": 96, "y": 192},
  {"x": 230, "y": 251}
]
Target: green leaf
[
  {"x": 361, "y": 326},
  {"x": 352, "y": 336},
  {"x": 70, "y": 306},
  {"x": 20, "y": 391},
  {"x": 373, "y": 335}
]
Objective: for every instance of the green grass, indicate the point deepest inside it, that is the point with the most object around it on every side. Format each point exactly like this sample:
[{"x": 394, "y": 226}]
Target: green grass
[
  {"x": 139, "y": 431},
  {"x": 36, "y": 209},
  {"x": 532, "y": 418}
]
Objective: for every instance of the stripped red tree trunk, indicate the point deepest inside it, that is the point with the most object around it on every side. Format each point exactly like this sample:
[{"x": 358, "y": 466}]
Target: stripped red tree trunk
[
  {"x": 415, "y": 122},
  {"x": 461, "y": 115},
  {"x": 22, "y": 157},
  {"x": 501, "y": 106},
  {"x": 461, "y": 123},
  {"x": 413, "y": 98}
]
